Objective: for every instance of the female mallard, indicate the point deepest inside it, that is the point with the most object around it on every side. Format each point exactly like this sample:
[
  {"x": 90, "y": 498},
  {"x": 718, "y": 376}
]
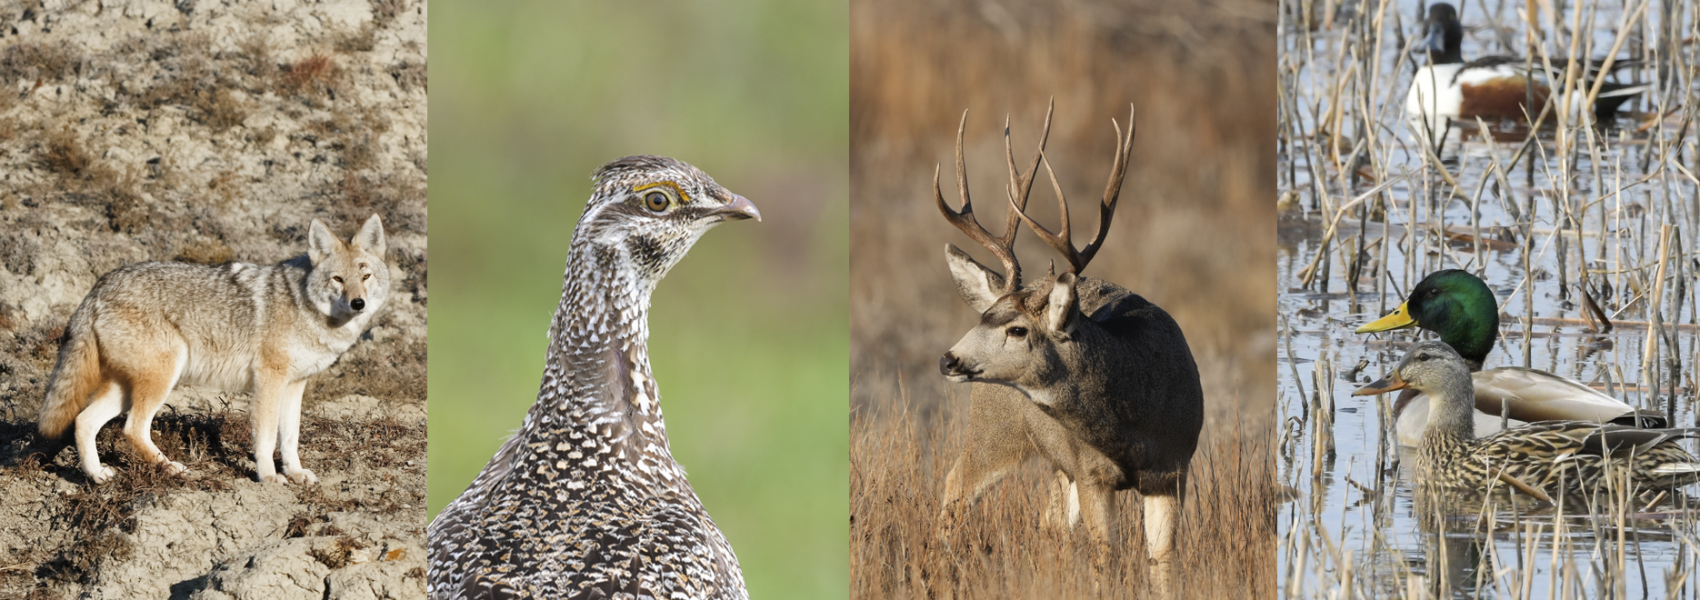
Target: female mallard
[
  {"x": 1463, "y": 311},
  {"x": 1552, "y": 456}
]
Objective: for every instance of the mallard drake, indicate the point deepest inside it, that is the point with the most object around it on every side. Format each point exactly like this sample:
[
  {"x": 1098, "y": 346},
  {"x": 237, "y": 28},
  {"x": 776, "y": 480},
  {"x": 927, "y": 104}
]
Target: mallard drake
[
  {"x": 1493, "y": 87},
  {"x": 1459, "y": 307},
  {"x": 1552, "y": 456}
]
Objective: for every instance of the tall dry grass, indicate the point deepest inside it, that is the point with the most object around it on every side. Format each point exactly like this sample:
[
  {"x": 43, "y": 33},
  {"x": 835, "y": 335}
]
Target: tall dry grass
[
  {"x": 1193, "y": 233},
  {"x": 898, "y": 459}
]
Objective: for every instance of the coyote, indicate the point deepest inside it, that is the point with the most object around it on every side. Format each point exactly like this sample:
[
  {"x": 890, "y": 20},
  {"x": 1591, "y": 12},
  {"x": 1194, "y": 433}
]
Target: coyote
[{"x": 146, "y": 327}]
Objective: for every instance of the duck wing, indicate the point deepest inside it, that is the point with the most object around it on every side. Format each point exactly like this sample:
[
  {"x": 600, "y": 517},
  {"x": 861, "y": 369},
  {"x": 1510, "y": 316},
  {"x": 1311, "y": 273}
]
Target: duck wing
[
  {"x": 1530, "y": 395},
  {"x": 1618, "y": 441}
]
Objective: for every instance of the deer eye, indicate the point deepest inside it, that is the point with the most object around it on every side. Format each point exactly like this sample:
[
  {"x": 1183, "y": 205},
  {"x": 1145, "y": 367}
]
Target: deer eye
[
  {"x": 1017, "y": 332},
  {"x": 655, "y": 201}
]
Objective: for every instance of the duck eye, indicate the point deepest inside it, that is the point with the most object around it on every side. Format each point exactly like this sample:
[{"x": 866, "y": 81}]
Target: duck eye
[
  {"x": 655, "y": 201},
  {"x": 1017, "y": 332}
]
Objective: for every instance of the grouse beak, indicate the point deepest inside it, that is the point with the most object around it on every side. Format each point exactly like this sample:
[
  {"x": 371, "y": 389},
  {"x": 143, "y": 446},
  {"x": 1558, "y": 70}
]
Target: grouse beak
[
  {"x": 738, "y": 209},
  {"x": 1400, "y": 318},
  {"x": 1382, "y": 386}
]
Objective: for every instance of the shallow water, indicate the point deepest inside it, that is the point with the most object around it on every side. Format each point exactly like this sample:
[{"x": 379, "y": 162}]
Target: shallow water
[{"x": 1356, "y": 514}]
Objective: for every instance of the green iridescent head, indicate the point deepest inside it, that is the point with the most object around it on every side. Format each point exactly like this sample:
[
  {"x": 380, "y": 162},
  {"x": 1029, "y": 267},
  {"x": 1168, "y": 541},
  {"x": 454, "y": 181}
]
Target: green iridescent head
[{"x": 1454, "y": 304}]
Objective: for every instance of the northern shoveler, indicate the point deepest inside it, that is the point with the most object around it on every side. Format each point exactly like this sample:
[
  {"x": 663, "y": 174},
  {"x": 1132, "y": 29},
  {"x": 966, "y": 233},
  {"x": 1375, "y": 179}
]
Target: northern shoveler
[
  {"x": 1458, "y": 306},
  {"x": 1493, "y": 88},
  {"x": 1555, "y": 456}
]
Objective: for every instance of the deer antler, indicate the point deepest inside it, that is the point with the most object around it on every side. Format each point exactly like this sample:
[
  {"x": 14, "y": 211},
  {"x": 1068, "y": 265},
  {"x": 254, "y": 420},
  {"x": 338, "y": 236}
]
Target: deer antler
[
  {"x": 1061, "y": 241},
  {"x": 1019, "y": 187}
]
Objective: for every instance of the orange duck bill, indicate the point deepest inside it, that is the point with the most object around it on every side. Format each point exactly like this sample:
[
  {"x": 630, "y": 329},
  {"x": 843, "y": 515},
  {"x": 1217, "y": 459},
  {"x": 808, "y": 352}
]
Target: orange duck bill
[{"x": 1381, "y": 386}]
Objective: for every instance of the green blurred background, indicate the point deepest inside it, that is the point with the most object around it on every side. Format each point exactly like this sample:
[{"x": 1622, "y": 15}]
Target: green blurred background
[{"x": 748, "y": 334}]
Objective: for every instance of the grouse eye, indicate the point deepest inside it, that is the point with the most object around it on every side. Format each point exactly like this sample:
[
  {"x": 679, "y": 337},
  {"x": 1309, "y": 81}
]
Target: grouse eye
[
  {"x": 1017, "y": 332},
  {"x": 655, "y": 201}
]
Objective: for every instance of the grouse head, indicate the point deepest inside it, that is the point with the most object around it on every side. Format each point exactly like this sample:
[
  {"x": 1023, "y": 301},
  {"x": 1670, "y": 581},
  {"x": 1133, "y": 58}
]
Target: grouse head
[{"x": 651, "y": 209}]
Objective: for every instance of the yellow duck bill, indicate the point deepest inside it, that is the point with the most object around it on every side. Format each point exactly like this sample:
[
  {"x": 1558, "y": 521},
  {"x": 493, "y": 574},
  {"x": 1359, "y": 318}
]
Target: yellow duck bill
[{"x": 1400, "y": 318}]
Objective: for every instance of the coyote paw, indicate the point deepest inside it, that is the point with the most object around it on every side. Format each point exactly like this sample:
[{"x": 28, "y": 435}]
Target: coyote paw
[
  {"x": 102, "y": 474},
  {"x": 302, "y": 476},
  {"x": 175, "y": 468},
  {"x": 273, "y": 478}
]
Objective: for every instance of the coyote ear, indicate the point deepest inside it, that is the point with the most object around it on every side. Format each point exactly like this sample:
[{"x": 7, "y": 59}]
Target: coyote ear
[
  {"x": 1060, "y": 309},
  {"x": 371, "y": 236},
  {"x": 321, "y": 243},
  {"x": 977, "y": 284}
]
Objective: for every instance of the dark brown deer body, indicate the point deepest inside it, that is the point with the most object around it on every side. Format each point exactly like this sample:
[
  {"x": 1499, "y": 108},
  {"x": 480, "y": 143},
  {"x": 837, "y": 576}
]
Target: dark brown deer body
[{"x": 1078, "y": 370}]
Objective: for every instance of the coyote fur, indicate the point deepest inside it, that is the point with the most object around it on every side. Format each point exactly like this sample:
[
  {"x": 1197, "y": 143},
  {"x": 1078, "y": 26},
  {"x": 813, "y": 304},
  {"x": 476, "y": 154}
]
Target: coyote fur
[{"x": 147, "y": 327}]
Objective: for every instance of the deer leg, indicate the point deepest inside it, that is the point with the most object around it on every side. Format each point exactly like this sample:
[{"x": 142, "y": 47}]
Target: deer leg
[
  {"x": 1062, "y": 513},
  {"x": 1098, "y": 510},
  {"x": 1162, "y": 514},
  {"x": 970, "y": 477}
]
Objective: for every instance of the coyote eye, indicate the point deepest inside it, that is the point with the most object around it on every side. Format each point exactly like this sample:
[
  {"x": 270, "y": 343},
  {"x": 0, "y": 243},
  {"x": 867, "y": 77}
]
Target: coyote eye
[
  {"x": 366, "y": 276},
  {"x": 655, "y": 201},
  {"x": 336, "y": 279},
  {"x": 1017, "y": 332}
]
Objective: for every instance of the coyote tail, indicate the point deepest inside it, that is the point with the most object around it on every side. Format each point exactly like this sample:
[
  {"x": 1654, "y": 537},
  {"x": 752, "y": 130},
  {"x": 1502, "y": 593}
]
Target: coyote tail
[{"x": 74, "y": 377}]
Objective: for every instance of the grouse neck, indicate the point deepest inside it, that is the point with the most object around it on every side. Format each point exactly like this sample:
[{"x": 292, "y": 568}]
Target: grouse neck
[{"x": 597, "y": 380}]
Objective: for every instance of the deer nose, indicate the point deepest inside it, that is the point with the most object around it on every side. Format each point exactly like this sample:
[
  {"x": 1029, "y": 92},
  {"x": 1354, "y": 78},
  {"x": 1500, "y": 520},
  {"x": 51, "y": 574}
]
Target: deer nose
[
  {"x": 357, "y": 304},
  {"x": 948, "y": 364}
]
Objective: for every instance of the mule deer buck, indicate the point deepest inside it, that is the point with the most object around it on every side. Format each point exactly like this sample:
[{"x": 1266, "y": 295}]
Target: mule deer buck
[{"x": 1075, "y": 369}]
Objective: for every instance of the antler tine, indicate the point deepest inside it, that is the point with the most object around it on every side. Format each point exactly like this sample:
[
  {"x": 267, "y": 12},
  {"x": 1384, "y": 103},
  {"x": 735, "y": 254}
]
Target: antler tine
[
  {"x": 1112, "y": 188},
  {"x": 1062, "y": 240},
  {"x": 964, "y": 220},
  {"x": 1020, "y": 186}
]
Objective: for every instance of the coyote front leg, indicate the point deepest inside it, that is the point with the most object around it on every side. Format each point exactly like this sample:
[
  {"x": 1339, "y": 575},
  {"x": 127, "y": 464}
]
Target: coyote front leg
[
  {"x": 270, "y": 388},
  {"x": 289, "y": 433}
]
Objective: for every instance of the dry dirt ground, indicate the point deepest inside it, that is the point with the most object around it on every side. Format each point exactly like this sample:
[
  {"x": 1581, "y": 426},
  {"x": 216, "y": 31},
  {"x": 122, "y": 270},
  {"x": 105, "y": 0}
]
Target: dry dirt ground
[{"x": 209, "y": 131}]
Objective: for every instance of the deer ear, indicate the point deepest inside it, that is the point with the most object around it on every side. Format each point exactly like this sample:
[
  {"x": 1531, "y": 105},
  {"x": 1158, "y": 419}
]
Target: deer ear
[
  {"x": 1060, "y": 309},
  {"x": 978, "y": 285}
]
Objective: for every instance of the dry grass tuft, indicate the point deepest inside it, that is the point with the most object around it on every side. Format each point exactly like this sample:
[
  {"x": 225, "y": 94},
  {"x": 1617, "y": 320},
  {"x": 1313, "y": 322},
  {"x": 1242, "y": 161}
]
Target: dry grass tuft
[
  {"x": 64, "y": 154},
  {"x": 336, "y": 555},
  {"x": 41, "y": 63},
  {"x": 207, "y": 252},
  {"x": 400, "y": 202},
  {"x": 361, "y": 39},
  {"x": 220, "y": 109},
  {"x": 306, "y": 76}
]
